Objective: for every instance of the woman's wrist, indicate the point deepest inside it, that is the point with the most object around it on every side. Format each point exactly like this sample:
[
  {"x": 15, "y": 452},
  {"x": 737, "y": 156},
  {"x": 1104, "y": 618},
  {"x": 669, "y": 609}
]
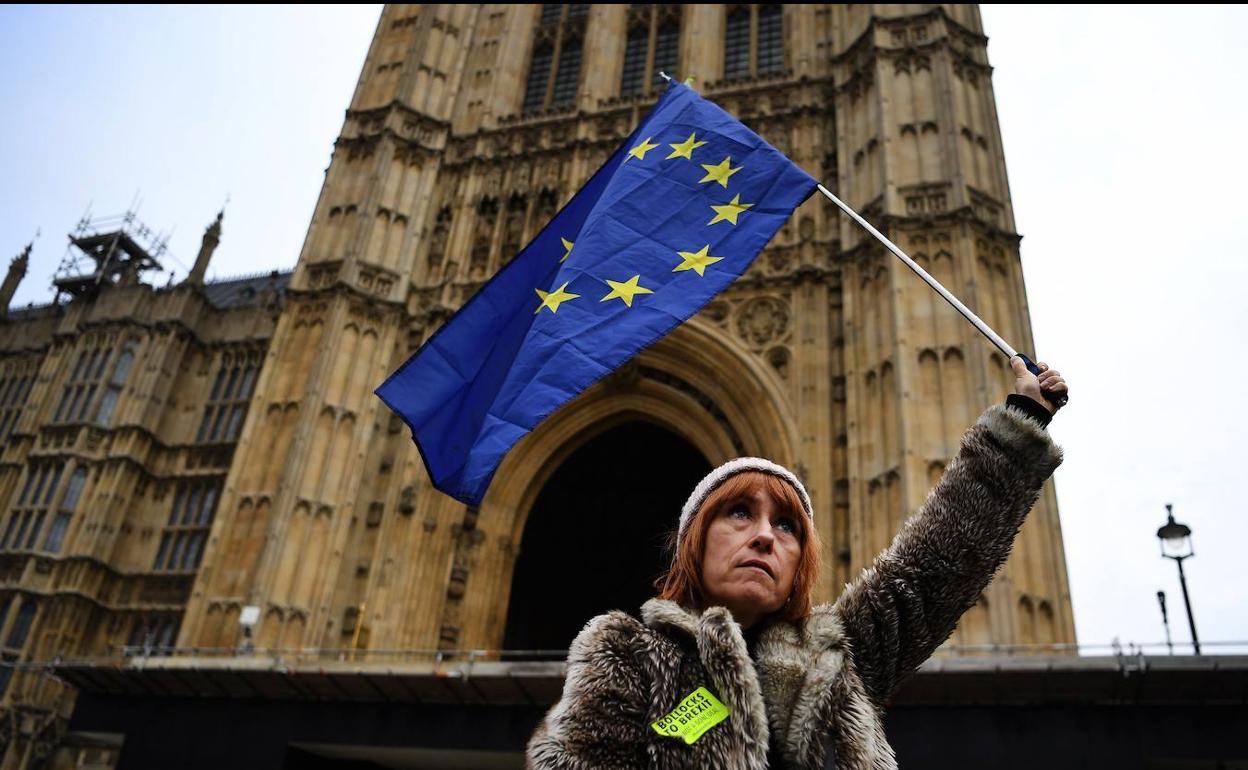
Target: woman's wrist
[{"x": 1030, "y": 407}]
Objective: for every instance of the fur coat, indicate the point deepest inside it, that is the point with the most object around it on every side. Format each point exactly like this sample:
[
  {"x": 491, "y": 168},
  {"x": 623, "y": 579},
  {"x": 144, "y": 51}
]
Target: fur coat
[{"x": 802, "y": 689}]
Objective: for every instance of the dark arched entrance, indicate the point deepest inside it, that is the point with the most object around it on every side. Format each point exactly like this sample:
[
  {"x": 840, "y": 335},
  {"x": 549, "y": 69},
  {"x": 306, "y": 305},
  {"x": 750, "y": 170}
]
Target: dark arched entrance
[{"x": 593, "y": 541}]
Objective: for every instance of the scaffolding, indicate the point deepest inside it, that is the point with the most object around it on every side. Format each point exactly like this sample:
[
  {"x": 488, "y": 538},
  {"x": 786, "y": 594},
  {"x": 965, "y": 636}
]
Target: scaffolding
[{"x": 110, "y": 250}]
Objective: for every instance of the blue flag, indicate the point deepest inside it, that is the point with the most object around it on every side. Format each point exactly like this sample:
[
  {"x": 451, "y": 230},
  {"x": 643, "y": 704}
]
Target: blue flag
[{"x": 672, "y": 218}]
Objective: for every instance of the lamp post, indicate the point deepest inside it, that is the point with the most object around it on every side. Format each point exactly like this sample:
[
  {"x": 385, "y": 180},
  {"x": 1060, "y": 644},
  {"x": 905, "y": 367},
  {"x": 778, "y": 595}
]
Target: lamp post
[{"x": 1176, "y": 543}]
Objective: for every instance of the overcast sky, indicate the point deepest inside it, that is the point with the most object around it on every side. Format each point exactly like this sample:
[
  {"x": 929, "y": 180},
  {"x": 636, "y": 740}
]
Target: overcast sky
[{"x": 1123, "y": 140}]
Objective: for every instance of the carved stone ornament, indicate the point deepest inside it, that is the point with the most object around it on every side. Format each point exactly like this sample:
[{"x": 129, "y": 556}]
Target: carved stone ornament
[
  {"x": 779, "y": 261},
  {"x": 763, "y": 320}
]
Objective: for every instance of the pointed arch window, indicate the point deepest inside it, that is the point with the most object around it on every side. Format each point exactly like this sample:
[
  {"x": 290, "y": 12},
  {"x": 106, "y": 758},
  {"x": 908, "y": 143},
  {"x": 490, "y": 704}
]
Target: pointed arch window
[
  {"x": 112, "y": 389},
  {"x": 78, "y": 395},
  {"x": 18, "y": 634},
  {"x": 30, "y": 513},
  {"x": 666, "y": 45},
  {"x": 652, "y": 46},
  {"x": 737, "y": 43},
  {"x": 190, "y": 519},
  {"x": 154, "y": 634},
  {"x": 69, "y": 503},
  {"x": 636, "y": 49},
  {"x": 227, "y": 402},
  {"x": 539, "y": 77},
  {"x": 753, "y": 40},
  {"x": 567, "y": 74},
  {"x": 16, "y": 380},
  {"x": 555, "y": 64}
]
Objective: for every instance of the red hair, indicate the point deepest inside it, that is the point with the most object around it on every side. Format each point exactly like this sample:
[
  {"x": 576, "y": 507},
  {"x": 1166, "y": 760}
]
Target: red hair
[{"x": 682, "y": 583}]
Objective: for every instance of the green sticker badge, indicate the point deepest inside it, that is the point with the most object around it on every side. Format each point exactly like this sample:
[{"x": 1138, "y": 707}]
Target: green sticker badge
[{"x": 698, "y": 712}]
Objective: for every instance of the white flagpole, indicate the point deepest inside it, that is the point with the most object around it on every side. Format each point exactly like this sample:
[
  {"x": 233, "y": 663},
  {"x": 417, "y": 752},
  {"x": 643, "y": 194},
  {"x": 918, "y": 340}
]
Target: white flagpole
[
  {"x": 1001, "y": 344},
  {"x": 975, "y": 320}
]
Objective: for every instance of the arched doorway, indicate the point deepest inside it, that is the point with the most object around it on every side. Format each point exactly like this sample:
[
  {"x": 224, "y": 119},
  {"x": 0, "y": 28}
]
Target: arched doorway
[{"x": 593, "y": 540}]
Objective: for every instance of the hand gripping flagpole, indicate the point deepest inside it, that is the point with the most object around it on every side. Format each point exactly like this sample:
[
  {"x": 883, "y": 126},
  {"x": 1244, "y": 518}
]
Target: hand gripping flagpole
[{"x": 1058, "y": 399}]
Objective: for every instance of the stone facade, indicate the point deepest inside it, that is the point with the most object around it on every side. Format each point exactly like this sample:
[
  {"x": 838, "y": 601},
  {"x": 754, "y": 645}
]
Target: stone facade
[
  {"x": 470, "y": 126},
  {"x": 121, "y": 413}
]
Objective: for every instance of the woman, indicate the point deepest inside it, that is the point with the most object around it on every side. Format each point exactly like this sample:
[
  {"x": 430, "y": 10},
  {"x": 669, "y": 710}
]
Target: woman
[{"x": 730, "y": 667}]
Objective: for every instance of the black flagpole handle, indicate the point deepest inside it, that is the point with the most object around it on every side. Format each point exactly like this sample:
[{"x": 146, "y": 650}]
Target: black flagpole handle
[{"x": 1056, "y": 399}]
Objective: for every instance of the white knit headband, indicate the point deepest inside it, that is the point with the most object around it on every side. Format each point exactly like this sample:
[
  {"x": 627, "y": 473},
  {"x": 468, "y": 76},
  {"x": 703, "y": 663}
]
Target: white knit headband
[{"x": 731, "y": 468}]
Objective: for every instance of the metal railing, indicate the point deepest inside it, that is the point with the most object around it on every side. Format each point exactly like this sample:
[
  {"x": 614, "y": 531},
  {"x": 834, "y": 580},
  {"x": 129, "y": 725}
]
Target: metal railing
[
  {"x": 452, "y": 660},
  {"x": 1088, "y": 650},
  {"x": 348, "y": 655}
]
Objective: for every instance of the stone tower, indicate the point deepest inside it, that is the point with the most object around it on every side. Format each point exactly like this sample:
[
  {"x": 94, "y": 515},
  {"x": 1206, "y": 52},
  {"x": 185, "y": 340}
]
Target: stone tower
[{"x": 469, "y": 127}]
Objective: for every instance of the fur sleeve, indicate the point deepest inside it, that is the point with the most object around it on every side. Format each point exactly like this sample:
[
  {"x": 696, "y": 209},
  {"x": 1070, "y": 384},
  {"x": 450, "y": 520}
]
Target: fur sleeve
[
  {"x": 908, "y": 602},
  {"x": 601, "y": 719}
]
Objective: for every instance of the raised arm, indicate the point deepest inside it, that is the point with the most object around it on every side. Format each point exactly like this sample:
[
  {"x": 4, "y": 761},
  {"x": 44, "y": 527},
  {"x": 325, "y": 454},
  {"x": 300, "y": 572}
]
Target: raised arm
[
  {"x": 601, "y": 719},
  {"x": 908, "y": 602}
]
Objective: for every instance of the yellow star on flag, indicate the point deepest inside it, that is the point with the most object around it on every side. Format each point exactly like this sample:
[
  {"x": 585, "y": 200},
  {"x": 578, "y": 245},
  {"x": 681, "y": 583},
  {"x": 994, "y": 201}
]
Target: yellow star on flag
[
  {"x": 639, "y": 152},
  {"x": 626, "y": 290},
  {"x": 696, "y": 260},
  {"x": 729, "y": 211},
  {"x": 685, "y": 149},
  {"x": 567, "y": 247},
  {"x": 551, "y": 299},
  {"x": 719, "y": 172}
]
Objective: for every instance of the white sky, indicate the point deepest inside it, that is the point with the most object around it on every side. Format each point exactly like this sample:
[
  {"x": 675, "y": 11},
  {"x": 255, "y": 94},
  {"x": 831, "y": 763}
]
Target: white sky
[{"x": 1122, "y": 138}]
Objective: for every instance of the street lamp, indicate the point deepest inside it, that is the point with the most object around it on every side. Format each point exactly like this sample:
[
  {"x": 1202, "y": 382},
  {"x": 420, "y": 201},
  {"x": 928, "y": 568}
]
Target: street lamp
[
  {"x": 1176, "y": 543},
  {"x": 248, "y": 619}
]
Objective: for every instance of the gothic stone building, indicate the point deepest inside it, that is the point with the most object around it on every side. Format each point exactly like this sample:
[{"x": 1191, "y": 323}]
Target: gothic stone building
[
  {"x": 121, "y": 410},
  {"x": 174, "y": 456}
]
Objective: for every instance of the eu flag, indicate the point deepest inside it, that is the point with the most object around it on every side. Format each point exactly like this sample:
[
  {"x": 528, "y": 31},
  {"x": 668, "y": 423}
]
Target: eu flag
[{"x": 674, "y": 216}]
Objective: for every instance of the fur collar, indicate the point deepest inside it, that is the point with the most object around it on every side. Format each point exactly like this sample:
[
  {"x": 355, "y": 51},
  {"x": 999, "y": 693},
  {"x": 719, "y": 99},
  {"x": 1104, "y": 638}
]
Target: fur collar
[
  {"x": 821, "y": 627},
  {"x": 661, "y": 613},
  {"x": 799, "y": 681},
  {"x": 799, "y": 666},
  {"x": 724, "y": 657}
]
